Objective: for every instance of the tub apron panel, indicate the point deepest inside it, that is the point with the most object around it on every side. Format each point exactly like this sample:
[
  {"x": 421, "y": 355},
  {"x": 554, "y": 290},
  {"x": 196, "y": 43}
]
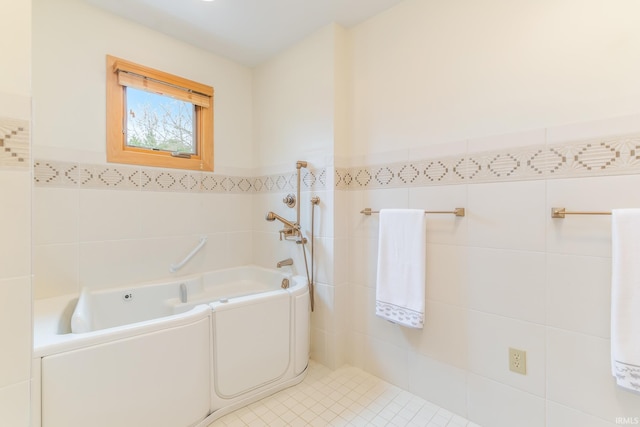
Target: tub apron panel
[
  {"x": 138, "y": 381},
  {"x": 251, "y": 342}
]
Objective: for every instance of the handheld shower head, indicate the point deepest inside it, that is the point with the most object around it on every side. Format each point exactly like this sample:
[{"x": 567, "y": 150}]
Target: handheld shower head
[{"x": 271, "y": 216}]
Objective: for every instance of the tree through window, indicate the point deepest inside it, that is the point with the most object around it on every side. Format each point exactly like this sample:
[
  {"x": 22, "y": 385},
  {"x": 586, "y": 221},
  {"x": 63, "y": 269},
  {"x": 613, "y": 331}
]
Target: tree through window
[{"x": 157, "y": 119}]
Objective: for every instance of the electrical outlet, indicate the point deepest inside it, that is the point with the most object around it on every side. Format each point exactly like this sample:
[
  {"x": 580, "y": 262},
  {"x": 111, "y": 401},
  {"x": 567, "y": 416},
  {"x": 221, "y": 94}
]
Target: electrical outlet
[{"x": 518, "y": 361}]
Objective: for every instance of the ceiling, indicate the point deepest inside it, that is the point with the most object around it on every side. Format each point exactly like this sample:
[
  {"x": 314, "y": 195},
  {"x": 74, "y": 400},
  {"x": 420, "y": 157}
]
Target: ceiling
[{"x": 245, "y": 31}]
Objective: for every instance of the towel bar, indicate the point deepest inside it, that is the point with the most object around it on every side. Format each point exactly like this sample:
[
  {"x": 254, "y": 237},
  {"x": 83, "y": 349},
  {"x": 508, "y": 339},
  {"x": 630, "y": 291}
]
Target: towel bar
[
  {"x": 561, "y": 212},
  {"x": 456, "y": 212}
]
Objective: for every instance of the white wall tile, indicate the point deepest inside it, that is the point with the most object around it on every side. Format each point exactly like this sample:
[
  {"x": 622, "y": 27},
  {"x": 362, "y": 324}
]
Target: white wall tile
[
  {"x": 579, "y": 376},
  {"x": 356, "y": 222},
  {"x": 388, "y": 156},
  {"x": 222, "y": 250},
  {"x": 376, "y": 327},
  {"x": 112, "y": 215},
  {"x": 262, "y": 203},
  {"x": 442, "y": 228},
  {"x": 357, "y": 349},
  {"x": 55, "y": 270},
  {"x": 438, "y": 382},
  {"x": 318, "y": 347},
  {"x": 507, "y": 215},
  {"x": 392, "y": 198},
  {"x": 171, "y": 214},
  {"x": 338, "y": 352},
  {"x": 325, "y": 308},
  {"x": 587, "y": 234},
  {"x": 387, "y": 361},
  {"x": 447, "y": 274},
  {"x": 121, "y": 262},
  {"x": 362, "y": 303},
  {"x": 341, "y": 261},
  {"x": 15, "y": 227},
  {"x": 444, "y": 336},
  {"x": 428, "y": 151},
  {"x": 268, "y": 250},
  {"x": 621, "y": 125},
  {"x": 498, "y": 405},
  {"x": 363, "y": 259},
  {"x": 342, "y": 312},
  {"x": 324, "y": 255},
  {"x": 14, "y": 405},
  {"x": 508, "y": 141},
  {"x": 491, "y": 336},
  {"x": 325, "y": 217},
  {"x": 238, "y": 211},
  {"x": 508, "y": 283},
  {"x": 15, "y": 330},
  {"x": 562, "y": 416},
  {"x": 579, "y": 294},
  {"x": 217, "y": 210},
  {"x": 237, "y": 250},
  {"x": 341, "y": 212},
  {"x": 55, "y": 215}
]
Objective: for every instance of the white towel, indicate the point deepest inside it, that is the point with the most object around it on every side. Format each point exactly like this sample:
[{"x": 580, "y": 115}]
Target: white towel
[
  {"x": 625, "y": 297},
  {"x": 401, "y": 267}
]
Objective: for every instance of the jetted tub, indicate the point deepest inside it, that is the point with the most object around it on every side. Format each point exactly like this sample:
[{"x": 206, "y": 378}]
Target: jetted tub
[{"x": 174, "y": 353}]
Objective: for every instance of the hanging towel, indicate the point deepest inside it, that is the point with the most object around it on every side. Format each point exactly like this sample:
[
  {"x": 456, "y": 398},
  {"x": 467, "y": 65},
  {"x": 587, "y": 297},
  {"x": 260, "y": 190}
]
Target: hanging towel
[
  {"x": 401, "y": 267},
  {"x": 625, "y": 297}
]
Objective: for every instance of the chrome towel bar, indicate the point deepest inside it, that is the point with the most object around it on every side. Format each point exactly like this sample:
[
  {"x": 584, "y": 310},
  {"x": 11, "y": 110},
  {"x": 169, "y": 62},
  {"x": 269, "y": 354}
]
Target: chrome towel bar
[
  {"x": 456, "y": 212},
  {"x": 561, "y": 212}
]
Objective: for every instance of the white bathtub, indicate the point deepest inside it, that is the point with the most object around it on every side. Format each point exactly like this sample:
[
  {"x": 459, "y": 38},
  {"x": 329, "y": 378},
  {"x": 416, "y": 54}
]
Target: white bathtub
[{"x": 141, "y": 355}]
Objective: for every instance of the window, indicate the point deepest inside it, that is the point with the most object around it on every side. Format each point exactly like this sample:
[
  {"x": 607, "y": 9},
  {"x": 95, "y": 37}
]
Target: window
[{"x": 157, "y": 119}]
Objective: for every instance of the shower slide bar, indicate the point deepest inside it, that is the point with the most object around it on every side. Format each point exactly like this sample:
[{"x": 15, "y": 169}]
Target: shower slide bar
[
  {"x": 561, "y": 212},
  {"x": 456, "y": 212},
  {"x": 175, "y": 267}
]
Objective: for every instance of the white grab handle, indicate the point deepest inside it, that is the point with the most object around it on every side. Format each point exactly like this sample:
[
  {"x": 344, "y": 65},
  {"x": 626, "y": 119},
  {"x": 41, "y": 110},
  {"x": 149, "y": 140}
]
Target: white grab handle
[{"x": 175, "y": 267}]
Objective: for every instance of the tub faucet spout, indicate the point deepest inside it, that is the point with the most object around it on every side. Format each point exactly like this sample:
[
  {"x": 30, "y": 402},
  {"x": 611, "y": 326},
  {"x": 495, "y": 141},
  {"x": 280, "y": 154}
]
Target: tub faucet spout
[{"x": 284, "y": 262}]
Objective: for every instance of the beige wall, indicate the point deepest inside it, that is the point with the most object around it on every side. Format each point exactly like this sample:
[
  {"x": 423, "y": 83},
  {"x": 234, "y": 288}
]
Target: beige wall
[
  {"x": 71, "y": 41},
  {"x": 15, "y": 214},
  {"x": 424, "y": 80},
  {"x": 429, "y": 72},
  {"x": 296, "y": 97},
  {"x": 91, "y": 232},
  {"x": 484, "y": 81}
]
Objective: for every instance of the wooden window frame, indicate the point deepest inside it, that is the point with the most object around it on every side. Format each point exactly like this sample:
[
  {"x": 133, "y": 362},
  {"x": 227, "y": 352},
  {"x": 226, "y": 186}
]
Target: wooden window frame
[{"x": 119, "y": 152}]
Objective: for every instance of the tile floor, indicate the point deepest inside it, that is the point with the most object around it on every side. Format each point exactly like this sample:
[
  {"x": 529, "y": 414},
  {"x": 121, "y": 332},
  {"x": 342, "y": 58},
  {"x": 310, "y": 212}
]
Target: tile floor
[{"x": 345, "y": 397}]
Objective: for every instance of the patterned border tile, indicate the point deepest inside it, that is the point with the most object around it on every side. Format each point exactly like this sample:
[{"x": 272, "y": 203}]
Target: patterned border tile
[
  {"x": 14, "y": 143},
  {"x": 605, "y": 156},
  {"x": 123, "y": 177}
]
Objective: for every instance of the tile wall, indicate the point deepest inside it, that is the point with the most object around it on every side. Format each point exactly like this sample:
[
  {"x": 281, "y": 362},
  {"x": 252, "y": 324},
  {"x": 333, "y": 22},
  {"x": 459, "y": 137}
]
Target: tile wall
[
  {"x": 111, "y": 225},
  {"x": 15, "y": 213},
  {"x": 15, "y": 271},
  {"x": 107, "y": 225},
  {"x": 505, "y": 275}
]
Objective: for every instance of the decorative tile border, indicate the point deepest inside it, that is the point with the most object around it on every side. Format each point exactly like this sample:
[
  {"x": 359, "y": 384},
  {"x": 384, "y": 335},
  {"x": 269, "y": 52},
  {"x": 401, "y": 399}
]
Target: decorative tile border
[
  {"x": 611, "y": 156},
  {"x": 14, "y": 143},
  {"x": 49, "y": 173}
]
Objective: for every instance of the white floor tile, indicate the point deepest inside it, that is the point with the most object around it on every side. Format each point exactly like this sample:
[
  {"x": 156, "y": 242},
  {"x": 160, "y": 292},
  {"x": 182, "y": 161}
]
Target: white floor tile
[{"x": 345, "y": 397}]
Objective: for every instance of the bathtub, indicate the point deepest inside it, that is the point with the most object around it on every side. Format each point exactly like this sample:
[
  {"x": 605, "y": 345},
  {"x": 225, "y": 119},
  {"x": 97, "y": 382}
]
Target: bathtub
[{"x": 173, "y": 353}]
